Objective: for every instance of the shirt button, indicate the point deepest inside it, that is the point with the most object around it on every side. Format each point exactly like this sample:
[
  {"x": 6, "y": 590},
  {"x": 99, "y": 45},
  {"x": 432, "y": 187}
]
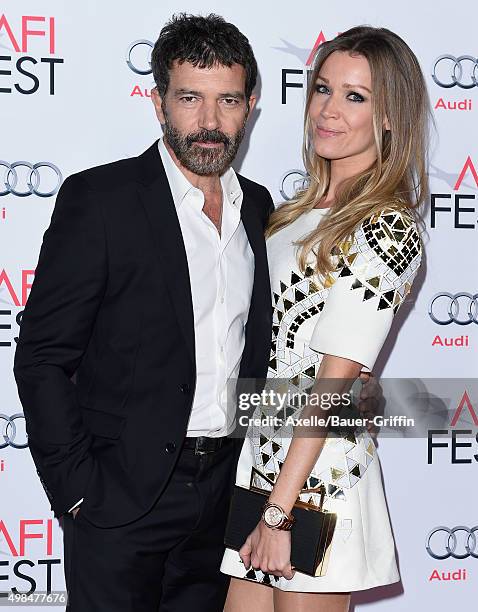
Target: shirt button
[
  {"x": 170, "y": 447},
  {"x": 185, "y": 388},
  {"x": 222, "y": 300}
]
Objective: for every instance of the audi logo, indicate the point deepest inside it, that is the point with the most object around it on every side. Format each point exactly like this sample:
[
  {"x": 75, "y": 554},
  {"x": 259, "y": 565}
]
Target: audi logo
[
  {"x": 446, "y": 545},
  {"x": 32, "y": 181},
  {"x": 449, "y": 71},
  {"x": 142, "y": 54},
  {"x": 292, "y": 182},
  {"x": 10, "y": 433},
  {"x": 461, "y": 308}
]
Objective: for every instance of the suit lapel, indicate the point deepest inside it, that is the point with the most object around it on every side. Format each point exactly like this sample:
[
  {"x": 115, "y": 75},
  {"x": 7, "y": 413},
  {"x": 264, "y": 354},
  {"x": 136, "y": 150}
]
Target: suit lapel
[
  {"x": 156, "y": 198},
  {"x": 255, "y": 234}
]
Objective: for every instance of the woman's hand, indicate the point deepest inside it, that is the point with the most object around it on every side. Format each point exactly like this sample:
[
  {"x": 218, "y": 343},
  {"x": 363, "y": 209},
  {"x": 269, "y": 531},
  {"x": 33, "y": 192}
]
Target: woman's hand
[{"x": 268, "y": 550}]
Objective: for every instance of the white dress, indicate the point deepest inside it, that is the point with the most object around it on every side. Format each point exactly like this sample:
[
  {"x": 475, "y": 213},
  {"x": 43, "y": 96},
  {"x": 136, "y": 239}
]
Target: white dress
[{"x": 348, "y": 315}]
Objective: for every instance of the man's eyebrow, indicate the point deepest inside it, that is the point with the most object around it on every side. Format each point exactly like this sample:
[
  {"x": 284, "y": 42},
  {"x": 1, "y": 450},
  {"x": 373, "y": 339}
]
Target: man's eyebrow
[
  {"x": 190, "y": 92},
  {"x": 345, "y": 85},
  {"x": 183, "y": 91},
  {"x": 233, "y": 94}
]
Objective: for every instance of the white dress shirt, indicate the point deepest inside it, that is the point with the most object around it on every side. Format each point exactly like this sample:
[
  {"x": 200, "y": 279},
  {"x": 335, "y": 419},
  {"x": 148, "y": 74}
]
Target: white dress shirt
[{"x": 221, "y": 272}]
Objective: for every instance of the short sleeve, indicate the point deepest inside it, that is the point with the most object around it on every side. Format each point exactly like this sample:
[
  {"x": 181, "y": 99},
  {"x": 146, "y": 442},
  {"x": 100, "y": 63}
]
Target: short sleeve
[{"x": 375, "y": 272}]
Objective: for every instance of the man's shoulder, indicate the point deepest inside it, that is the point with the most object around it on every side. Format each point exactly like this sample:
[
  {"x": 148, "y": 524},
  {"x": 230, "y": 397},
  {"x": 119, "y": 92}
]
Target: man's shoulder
[
  {"x": 109, "y": 176},
  {"x": 118, "y": 174},
  {"x": 251, "y": 186}
]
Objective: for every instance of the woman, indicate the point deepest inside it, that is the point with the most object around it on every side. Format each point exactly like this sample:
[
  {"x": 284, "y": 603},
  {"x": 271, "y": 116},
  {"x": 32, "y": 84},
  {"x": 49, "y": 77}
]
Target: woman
[{"x": 342, "y": 257}]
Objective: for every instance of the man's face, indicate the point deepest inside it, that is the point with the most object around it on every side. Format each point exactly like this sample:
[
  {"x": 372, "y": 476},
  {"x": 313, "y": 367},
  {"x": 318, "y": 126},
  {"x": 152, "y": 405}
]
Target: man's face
[{"x": 203, "y": 115}]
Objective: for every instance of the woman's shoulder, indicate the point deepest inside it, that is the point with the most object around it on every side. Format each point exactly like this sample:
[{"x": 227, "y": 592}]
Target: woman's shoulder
[
  {"x": 382, "y": 256},
  {"x": 392, "y": 235}
]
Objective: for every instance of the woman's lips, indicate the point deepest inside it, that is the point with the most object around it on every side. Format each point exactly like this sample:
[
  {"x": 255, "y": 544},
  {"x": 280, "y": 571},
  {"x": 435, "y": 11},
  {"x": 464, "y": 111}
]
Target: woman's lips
[{"x": 325, "y": 133}]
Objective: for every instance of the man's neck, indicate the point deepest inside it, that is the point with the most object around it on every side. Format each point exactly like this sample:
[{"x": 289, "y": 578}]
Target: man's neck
[{"x": 210, "y": 184}]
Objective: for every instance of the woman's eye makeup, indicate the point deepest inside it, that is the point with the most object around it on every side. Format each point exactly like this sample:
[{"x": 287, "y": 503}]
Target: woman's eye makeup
[
  {"x": 321, "y": 88},
  {"x": 353, "y": 96}
]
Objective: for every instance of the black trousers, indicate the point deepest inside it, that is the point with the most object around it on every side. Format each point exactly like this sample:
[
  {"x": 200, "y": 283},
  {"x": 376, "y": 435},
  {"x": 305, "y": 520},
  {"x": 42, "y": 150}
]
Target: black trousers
[{"x": 167, "y": 561}]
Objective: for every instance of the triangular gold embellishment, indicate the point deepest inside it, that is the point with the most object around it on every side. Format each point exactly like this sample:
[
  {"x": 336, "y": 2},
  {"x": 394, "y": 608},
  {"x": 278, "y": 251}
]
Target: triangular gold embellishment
[
  {"x": 328, "y": 281},
  {"x": 345, "y": 247},
  {"x": 336, "y": 473}
]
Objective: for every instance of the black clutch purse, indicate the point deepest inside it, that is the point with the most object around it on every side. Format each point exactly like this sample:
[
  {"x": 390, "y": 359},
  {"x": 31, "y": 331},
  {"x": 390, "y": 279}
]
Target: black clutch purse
[{"x": 311, "y": 535}]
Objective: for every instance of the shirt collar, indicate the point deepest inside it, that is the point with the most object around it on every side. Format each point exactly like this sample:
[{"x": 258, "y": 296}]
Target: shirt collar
[{"x": 180, "y": 186}]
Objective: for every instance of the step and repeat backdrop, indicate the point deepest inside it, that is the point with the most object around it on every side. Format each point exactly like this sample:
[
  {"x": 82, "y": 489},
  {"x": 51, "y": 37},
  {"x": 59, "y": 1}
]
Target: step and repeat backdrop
[{"x": 75, "y": 91}]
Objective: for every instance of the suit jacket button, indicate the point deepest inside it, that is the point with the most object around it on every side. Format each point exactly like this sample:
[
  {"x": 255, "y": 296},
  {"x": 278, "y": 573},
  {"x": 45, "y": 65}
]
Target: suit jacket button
[
  {"x": 170, "y": 447},
  {"x": 185, "y": 388}
]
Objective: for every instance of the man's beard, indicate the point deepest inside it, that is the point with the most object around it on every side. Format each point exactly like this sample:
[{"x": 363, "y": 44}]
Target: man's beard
[{"x": 201, "y": 160}]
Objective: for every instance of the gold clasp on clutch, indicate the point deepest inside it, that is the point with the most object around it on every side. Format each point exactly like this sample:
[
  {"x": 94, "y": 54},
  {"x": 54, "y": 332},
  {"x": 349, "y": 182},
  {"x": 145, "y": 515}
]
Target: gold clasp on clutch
[{"x": 256, "y": 474}]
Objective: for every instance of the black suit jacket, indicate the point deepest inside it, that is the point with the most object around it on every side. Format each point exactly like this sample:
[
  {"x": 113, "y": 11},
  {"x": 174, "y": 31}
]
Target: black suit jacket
[{"x": 111, "y": 304}]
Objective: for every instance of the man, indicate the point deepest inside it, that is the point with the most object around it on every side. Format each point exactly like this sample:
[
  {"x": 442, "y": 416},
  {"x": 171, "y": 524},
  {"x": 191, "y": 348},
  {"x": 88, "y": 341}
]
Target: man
[{"x": 152, "y": 287}]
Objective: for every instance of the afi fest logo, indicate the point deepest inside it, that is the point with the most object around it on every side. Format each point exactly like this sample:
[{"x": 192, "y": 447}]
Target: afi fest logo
[
  {"x": 465, "y": 415},
  {"x": 29, "y": 563},
  {"x": 27, "y": 50},
  {"x": 457, "y": 207},
  {"x": 293, "y": 78},
  {"x": 11, "y": 304}
]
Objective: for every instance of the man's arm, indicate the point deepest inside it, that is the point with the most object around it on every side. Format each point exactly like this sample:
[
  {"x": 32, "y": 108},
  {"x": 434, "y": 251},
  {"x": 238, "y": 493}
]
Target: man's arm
[{"x": 57, "y": 322}]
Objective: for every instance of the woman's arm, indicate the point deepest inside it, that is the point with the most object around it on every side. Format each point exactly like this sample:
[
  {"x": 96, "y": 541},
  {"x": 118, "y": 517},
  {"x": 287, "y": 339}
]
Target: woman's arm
[{"x": 269, "y": 549}]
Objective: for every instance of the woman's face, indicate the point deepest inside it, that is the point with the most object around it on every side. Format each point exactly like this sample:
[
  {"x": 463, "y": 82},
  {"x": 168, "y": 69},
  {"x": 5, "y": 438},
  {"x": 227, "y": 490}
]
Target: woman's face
[{"x": 340, "y": 111}]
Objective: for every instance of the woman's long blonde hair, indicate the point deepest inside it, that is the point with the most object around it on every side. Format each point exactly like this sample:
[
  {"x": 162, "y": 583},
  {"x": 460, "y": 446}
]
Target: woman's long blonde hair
[{"x": 397, "y": 179}]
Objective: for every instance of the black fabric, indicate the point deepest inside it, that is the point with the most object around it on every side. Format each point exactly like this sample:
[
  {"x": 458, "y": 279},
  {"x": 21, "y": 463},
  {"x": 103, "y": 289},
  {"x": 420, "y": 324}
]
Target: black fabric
[
  {"x": 311, "y": 533},
  {"x": 105, "y": 361},
  {"x": 165, "y": 561}
]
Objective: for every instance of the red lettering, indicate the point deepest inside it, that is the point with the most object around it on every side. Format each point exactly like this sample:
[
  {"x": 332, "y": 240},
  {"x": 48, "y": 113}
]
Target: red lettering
[
  {"x": 4, "y": 24},
  {"x": 49, "y": 537},
  {"x": 52, "y": 35},
  {"x": 8, "y": 539},
  {"x": 24, "y": 535},
  {"x": 320, "y": 39},
  {"x": 435, "y": 576},
  {"x": 136, "y": 92},
  {"x": 26, "y": 285},
  {"x": 4, "y": 279},
  {"x": 464, "y": 400},
  {"x": 468, "y": 166},
  {"x": 440, "y": 103},
  {"x": 26, "y": 32}
]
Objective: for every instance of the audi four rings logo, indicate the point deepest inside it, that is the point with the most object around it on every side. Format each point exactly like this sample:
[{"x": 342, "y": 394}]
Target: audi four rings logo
[
  {"x": 141, "y": 50},
  {"x": 291, "y": 182},
  {"x": 10, "y": 433},
  {"x": 446, "y": 545},
  {"x": 460, "y": 308},
  {"x": 33, "y": 180},
  {"x": 449, "y": 71}
]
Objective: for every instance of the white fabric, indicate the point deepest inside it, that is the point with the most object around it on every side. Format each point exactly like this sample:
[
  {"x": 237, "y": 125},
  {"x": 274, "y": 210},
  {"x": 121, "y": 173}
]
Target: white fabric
[
  {"x": 76, "y": 505},
  {"x": 221, "y": 271},
  {"x": 310, "y": 319}
]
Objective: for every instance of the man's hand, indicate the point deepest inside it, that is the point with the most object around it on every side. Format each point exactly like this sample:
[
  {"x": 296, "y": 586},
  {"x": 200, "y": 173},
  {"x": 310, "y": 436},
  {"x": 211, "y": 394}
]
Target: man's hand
[{"x": 371, "y": 400}]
